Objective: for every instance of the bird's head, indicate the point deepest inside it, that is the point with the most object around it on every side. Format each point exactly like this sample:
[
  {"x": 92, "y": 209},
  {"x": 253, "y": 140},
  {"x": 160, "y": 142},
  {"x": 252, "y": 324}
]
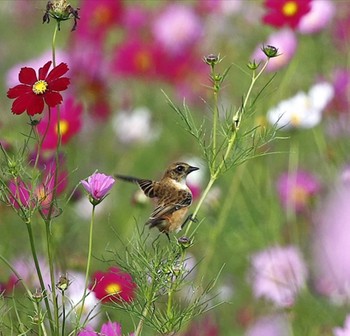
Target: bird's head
[{"x": 179, "y": 170}]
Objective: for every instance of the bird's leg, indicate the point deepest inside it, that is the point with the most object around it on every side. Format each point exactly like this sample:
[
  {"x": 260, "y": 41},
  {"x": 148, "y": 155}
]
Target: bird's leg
[
  {"x": 167, "y": 234},
  {"x": 189, "y": 218}
]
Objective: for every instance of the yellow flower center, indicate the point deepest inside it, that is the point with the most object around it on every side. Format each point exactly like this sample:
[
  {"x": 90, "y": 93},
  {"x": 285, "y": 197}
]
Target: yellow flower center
[
  {"x": 62, "y": 127},
  {"x": 39, "y": 87},
  {"x": 113, "y": 288},
  {"x": 290, "y": 8},
  {"x": 143, "y": 61},
  {"x": 295, "y": 120},
  {"x": 299, "y": 195},
  {"x": 101, "y": 16}
]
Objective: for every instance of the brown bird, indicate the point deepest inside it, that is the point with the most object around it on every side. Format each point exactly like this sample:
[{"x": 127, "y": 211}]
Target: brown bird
[{"x": 173, "y": 197}]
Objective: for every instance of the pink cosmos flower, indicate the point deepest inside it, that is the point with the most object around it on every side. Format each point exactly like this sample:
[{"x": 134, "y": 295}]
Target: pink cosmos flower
[
  {"x": 98, "y": 186},
  {"x": 285, "y": 12},
  {"x": 113, "y": 285},
  {"x": 296, "y": 189},
  {"x": 20, "y": 194},
  {"x": 177, "y": 28},
  {"x": 107, "y": 329},
  {"x": 69, "y": 124},
  {"x": 207, "y": 326},
  {"x": 97, "y": 18},
  {"x": 135, "y": 57},
  {"x": 286, "y": 43},
  {"x": 274, "y": 325},
  {"x": 343, "y": 331},
  {"x": 278, "y": 274},
  {"x": 341, "y": 83},
  {"x": 320, "y": 15},
  {"x": 331, "y": 244}
]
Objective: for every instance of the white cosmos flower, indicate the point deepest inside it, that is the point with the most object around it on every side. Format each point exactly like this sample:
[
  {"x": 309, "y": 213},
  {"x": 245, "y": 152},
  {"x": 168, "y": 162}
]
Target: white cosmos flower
[
  {"x": 135, "y": 126},
  {"x": 303, "y": 110}
]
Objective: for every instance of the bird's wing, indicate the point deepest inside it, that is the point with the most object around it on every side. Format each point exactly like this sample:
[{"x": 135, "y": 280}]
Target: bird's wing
[
  {"x": 147, "y": 186},
  {"x": 167, "y": 206}
]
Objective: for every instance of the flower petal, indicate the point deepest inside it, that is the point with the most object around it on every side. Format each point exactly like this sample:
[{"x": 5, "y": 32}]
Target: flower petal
[
  {"x": 27, "y": 76},
  {"x": 53, "y": 98},
  {"x": 57, "y": 72},
  {"x": 59, "y": 84},
  {"x": 44, "y": 70},
  {"x": 18, "y": 90},
  {"x": 36, "y": 105},
  {"x": 20, "y": 104}
]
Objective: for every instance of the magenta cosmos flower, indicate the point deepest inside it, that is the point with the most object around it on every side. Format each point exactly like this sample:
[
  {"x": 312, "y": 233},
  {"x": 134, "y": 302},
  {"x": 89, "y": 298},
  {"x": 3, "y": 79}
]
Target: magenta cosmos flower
[
  {"x": 107, "y": 329},
  {"x": 69, "y": 124},
  {"x": 296, "y": 189},
  {"x": 285, "y": 12},
  {"x": 113, "y": 285},
  {"x": 98, "y": 186},
  {"x": 36, "y": 90}
]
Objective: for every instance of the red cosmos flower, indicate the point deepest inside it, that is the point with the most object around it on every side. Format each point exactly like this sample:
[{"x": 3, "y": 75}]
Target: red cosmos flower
[
  {"x": 70, "y": 124},
  {"x": 113, "y": 285},
  {"x": 35, "y": 90},
  {"x": 286, "y": 12}
]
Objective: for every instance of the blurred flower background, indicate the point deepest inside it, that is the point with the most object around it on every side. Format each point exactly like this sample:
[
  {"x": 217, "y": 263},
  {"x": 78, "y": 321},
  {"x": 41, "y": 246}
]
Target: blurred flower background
[{"x": 279, "y": 223}]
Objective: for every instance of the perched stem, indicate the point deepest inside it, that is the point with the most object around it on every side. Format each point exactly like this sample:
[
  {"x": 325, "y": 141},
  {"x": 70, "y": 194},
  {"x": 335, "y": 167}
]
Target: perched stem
[{"x": 215, "y": 171}]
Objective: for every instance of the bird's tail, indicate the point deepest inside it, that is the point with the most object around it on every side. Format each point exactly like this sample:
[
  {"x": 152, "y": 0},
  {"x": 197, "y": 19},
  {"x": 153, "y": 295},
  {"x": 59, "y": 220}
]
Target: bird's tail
[{"x": 127, "y": 178}]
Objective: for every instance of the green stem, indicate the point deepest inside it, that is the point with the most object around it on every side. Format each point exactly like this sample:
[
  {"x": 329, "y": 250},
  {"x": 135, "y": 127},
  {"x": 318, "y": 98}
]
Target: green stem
[
  {"x": 214, "y": 174},
  {"x": 38, "y": 271},
  {"x": 215, "y": 118},
  {"x": 63, "y": 312},
  {"x": 87, "y": 272}
]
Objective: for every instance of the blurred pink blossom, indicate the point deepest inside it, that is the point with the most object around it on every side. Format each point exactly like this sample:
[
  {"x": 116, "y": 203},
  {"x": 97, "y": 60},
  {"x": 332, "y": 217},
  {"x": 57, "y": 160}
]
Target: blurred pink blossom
[
  {"x": 274, "y": 325},
  {"x": 341, "y": 84},
  {"x": 177, "y": 27},
  {"x": 331, "y": 244},
  {"x": 318, "y": 18},
  {"x": 97, "y": 18},
  {"x": 296, "y": 189},
  {"x": 278, "y": 274},
  {"x": 343, "y": 331},
  {"x": 286, "y": 43}
]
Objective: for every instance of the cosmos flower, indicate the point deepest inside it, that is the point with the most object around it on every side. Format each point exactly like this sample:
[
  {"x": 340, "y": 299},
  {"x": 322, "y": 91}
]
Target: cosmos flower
[
  {"x": 69, "y": 124},
  {"x": 135, "y": 126},
  {"x": 320, "y": 15},
  {"x": 331, "y": 244},
  {"x": 107, "y": 329},
  {"x": 135, "y": 57},
  {"x": 36, "y": 90},
  {"x": 273, "y": 325},
  {"x": 97, "y": 18},
  {"x": 286, "y": 43},
  {"x": 177, "y": 27},
  {"x": 98, "y": 186},
  {"x": 113, "y": 285},
  {"x": 343, "y": 331},
  {"x": 285, "y": 12},
  {"x": 278, "y": 274},
  {"x": 296, "y": 189},
  {"x": 304, "y": 110},
  {"x": 20, "y": 194}
]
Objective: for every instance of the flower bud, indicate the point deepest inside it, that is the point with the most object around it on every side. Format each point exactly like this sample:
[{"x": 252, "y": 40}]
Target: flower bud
[
  {"x": 63, "y": 283},
  {"x": 270, "y": 51},
  {"x": 211, "y": 59},
  {"x": 60, "y": 10}
]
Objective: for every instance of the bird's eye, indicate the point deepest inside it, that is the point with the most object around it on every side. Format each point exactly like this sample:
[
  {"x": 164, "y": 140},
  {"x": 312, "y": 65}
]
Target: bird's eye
[{"x": 180, "y": 169}]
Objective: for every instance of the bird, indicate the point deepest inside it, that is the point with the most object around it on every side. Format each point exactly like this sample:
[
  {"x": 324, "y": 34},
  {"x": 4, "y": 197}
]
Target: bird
[{"x": 173, "y": 197}]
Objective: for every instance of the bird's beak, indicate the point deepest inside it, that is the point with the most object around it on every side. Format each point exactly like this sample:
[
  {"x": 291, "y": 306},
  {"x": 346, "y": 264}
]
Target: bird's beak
[{"x": 192, "y": 169}]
